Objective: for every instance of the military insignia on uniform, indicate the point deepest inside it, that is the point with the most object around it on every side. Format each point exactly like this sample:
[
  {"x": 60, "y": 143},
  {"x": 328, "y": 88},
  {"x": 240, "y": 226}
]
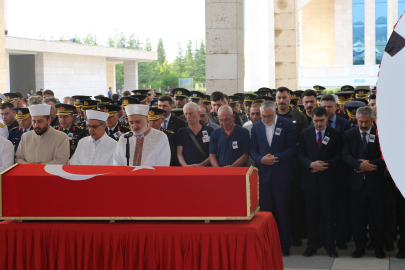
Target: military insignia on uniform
[
  {"x": 137, "y": 93},
  {"x": 86, "y": 103},
  {"x": 230, "y": 100},
  {"x": 342, "y": 97},
  {"x": 179, "y": 92},
  {"x": 77, "y": 100},
  {"x": 72, "y": 147},
  {"x": 263, "y": 100},
  {"x": 317, "y": 88},
  {"x": 361, "y": 92},
  {"x": 151, "y": 113},
  {"x": 126, "y": 101},
  {"x": 99, "y": 100},
  {"x": 61, "y": 109},
  {"x": 105, "y": 110},
  {"x": 293, "y": 96},
  {"x": 194, "y": 95},
  {"x": 19, "y": 113}
]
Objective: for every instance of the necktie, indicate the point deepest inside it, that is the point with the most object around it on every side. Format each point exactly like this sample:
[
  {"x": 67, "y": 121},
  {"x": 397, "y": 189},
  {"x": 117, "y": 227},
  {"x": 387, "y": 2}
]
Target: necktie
[
  {"x": 364, "y": 141},
  {"x": 319, "y": 140},
  {"x": 330, "y": 123},
  {"x": 165, "y": 124}
]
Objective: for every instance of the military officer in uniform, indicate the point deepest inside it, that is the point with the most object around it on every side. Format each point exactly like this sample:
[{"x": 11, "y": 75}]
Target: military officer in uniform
[
  {"x": 157, "y": 96},
  {"x": 179, "y": 114},
  {"x": 343, "y": 98},
  {"x": 362, "y": 92},
  {"x": 24, "y": 119},
  {"x": 120, "y": 111},
  {"x": 144, "y": 96},
  {"x": 234, "y": 103},
  {"x": 155, "y": 118},
  {"x": 247, "y": 100},
  {"x": 197, "y": 97},
  {"x": 88, "y": 104},
  {"x": 319, "y": 89},
  {"x": 114, "y": 129},
  {"x": 75, "y": 133},
  {"x": 124, "y": 102},
  {"x": 102, "y": 100},
  {"x": 207, "y": 102},
  {"x": 264, "y": 91},
  {"x": 79, "y": 118},
  {"x": 181, "y": 96}
]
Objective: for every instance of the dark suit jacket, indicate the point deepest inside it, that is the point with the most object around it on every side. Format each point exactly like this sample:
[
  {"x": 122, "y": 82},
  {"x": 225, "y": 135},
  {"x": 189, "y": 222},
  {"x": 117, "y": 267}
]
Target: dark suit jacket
[
  {"x": 283, "y": 146},
  {"x": 353, "y": 151},
  {"x": 175, "y": 124},
  {"x": 330, "y": 153}
]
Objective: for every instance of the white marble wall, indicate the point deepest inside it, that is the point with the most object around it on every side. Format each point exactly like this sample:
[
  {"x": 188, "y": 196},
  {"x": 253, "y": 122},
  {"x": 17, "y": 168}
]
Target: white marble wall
[
  {"x": 69, "y": 75},
  {"x": 224, "y": 46},
  {"x": 3, "y": 72},
  {"x": 259, "y": 44},
  {"x": 130, "y": 76}
]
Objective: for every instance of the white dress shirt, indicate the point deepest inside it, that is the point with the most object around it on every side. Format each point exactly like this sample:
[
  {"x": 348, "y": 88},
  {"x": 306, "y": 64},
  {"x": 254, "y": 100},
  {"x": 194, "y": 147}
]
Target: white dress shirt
[
  {"x": 270, "y": 131},
  {"x": 167, "y": 122},
  {"x": 367, "y": 135}
]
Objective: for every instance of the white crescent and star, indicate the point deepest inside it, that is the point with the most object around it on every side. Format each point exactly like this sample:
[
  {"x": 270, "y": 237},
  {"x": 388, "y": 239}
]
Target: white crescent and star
[{"x": 58, "y": 170}]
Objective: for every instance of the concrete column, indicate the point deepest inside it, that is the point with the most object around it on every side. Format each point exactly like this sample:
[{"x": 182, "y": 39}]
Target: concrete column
[
  {"x": 39, "y": 72},
  {"x": 392, "y": 16},
  {"x": 343, "y": 33},
  {"x": 369, "y": 32},
  {"x": 130, "y": 75},
  {"x": 3, "y": 79},
  {"x": 111, "y": 77},
  {"x": 224, "y": 46},
  {"x": 286, "y": 43}
]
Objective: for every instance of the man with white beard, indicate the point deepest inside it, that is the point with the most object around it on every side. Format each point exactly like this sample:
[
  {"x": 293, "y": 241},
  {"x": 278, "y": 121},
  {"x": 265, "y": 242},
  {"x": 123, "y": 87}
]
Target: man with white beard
[
  {"x": 98, "y": 148},
  {"x": 147, "y": 146}
]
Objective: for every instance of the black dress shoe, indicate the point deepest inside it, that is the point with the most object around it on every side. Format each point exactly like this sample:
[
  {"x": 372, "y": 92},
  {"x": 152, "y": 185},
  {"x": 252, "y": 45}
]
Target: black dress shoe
[
  {"x": 341, "y": 244},
  {"x": 297, "y": 243},
  {"x": 379, "y": 253},
  {"x": 389, "y": 246},
  {"x": 358, "y": 253},
  {"x": 309, "y": 252},
  {"x": 401, "y": 254},
  {"x": 332, "y": 253},
  {"x": 285, "y": 251},
  {"x": 370, "y": 246}
]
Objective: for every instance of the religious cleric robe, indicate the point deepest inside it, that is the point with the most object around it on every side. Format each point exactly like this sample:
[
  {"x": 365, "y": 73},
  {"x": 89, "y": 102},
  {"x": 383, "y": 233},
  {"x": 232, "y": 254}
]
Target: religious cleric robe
[
  {"x": 52, "y": 147},
  {"x": 151, "y": 150},
  {"x": 91, "y": 152}
]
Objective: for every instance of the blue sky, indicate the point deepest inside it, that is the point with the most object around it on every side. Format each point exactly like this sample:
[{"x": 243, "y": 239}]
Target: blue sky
[{"x": 171, "y": 20}]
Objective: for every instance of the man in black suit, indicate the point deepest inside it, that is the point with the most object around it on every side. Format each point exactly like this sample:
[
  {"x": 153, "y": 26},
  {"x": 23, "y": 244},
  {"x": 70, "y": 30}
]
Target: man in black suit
[
  {"x": 361, "y": 151},
  {"x": 319, "y": 152},
  {"x": 170, "y": 122},
  {"x": 342, "y": 200}
]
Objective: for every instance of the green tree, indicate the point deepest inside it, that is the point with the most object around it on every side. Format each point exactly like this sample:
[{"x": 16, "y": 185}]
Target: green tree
[
  {"x": 178, "y": 64},
  {"x": 134, "y": 43},
  {"x": 148, "y": 45},
  {"x": 161, "y": 52},
  {"x": 90, "y": 39},
  {"x": 199, "y": 58}
]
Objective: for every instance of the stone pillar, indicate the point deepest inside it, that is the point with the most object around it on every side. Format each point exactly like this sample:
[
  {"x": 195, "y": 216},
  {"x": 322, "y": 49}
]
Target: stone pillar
[
  {"x": 39, "y": 72},
  {"x": 369, "y": 32},
  {"x": 111, "y": 77},
  {"x": 343, "y": 33},
  {"x": 130, "y": 75},
  {"x": 286, "y": 43},
  {"x": 3, "y": 78},
  {"x": 392, "y": 16},
  {"x": 224, "y": 46}
]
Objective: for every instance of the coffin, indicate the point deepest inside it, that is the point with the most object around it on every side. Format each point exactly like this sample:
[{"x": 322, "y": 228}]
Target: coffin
[{"x": 56, "y": 192}]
